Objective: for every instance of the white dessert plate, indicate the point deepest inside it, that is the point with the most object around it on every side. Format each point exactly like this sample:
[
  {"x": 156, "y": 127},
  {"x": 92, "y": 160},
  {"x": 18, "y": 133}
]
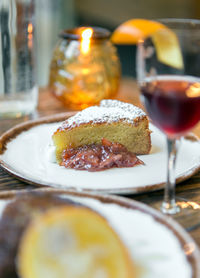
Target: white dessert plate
[
  {"x": 27, "y": 154},
  {"x": 157, "y": 244}
]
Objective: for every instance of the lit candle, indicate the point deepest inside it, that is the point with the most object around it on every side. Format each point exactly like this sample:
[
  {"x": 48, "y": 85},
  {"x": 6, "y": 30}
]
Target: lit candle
[
  {"x": 86, "y": 36},
  {"x": 85, "y": 67},
  {"x": 30, "y": 35}
]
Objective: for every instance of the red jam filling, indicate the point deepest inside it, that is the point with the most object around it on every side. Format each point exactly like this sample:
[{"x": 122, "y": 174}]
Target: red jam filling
[{"x": 99, "y": 157}]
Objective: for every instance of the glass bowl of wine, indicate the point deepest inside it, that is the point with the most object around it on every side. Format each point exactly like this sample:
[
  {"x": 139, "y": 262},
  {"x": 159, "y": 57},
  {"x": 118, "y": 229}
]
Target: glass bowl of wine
[{"x": 168, "y": 72}]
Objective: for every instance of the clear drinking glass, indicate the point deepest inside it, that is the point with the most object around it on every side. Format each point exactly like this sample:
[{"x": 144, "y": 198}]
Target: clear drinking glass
[
  {"x": 18, "y": 89},
  {"x": 171, "y": 95}
]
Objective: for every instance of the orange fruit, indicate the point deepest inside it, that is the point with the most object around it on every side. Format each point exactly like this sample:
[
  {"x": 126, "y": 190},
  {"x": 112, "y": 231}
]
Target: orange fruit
[
  {"x": 72, "y": 242},
  {"x": 165, "y": 40}
]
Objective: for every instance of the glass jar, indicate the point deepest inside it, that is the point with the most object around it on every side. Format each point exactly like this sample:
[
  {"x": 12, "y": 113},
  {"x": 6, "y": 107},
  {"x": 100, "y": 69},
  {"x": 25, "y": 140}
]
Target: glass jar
[
  {"x": 18, "y": 86},
  {"x": 84, "y": 70}
]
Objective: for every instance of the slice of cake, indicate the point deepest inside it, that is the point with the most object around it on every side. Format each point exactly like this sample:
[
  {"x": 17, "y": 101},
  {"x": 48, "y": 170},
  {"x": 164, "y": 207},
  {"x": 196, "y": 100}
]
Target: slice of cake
[{"x": 116, "y": 121}]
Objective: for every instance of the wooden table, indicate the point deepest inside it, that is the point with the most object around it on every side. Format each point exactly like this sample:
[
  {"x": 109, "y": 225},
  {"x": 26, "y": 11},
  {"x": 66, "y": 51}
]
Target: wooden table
[{"x": 189, "y": 189}]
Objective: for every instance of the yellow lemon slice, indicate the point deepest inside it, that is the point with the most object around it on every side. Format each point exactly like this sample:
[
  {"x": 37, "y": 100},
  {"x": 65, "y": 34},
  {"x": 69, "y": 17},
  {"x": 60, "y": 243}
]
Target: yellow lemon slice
[
  {"x": 165, "y": 40},
  {"x": 72, "y": 242}
]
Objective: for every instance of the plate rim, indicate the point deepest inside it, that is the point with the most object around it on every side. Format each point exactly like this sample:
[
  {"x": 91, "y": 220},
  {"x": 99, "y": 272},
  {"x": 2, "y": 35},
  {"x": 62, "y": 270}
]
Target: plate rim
[
  {"x": 17, "y": 129},
  {"x": 185, "y": 240}
]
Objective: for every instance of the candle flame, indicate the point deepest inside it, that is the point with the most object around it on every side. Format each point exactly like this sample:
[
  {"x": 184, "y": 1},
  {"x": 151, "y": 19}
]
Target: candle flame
[
  {"x": 30, "y": 28},
  {"x": 85, "y": 40},
  {"x": 30, "y": 35}
]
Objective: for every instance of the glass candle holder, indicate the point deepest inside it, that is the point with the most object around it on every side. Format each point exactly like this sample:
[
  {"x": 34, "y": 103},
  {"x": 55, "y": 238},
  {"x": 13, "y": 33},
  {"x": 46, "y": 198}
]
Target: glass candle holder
[{"x": 85, "y": 67}]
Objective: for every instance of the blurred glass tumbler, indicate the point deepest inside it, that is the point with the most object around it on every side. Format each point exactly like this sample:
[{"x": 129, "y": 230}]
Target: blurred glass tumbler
[
  {"x": 18, "y": 90},
  {"x": 85, "y": 67}
]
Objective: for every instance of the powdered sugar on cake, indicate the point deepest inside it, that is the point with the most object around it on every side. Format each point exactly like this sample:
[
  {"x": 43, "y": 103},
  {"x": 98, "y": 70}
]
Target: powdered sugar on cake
[
  {"x": 109, "y": 111},
  {"x": 128, "y": 107}
]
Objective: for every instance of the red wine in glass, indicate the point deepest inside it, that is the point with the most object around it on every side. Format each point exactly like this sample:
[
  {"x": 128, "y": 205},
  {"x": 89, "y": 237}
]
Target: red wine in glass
[{"x": 172, "y": 102}]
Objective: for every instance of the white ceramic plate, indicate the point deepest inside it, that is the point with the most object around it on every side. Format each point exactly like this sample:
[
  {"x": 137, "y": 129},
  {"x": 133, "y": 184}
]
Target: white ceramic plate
[
  {"x": 28, "y": 148},
  {"x": 156, "y": 243}
]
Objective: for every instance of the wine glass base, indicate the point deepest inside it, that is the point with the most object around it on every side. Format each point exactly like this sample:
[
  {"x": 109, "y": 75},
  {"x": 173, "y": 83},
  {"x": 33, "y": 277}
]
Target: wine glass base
[
  {"x": 170, "y": 209},
  {"x": 186, "y": 212}
]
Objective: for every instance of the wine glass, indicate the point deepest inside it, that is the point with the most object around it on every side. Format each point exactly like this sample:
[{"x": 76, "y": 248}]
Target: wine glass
[{"x": 170, "y": 89}]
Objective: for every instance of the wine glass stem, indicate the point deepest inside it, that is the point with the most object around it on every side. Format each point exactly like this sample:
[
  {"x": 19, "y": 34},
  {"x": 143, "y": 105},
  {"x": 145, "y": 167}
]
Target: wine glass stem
[{"x": 169, "y": 205}]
